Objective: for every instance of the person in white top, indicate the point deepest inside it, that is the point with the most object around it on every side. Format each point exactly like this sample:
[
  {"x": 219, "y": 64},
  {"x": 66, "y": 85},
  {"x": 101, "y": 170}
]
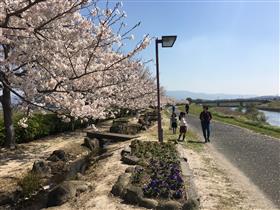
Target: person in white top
[{"x": 183, "y": 125}]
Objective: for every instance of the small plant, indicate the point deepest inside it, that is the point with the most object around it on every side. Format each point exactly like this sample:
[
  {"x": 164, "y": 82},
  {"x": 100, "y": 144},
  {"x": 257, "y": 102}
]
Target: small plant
[
  {"x": 137, "y": 175},
  {"x": 30, "y": 183}
]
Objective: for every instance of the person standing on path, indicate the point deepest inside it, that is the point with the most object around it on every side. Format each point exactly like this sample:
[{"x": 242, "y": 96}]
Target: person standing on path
[
  {"x": 173, "y": 108},
  {"x": 187, "y": 107},
  {"x": 205, "y": 118},
  {"x": 183, "y": 125},
  {"x": 174, "y": 122}
]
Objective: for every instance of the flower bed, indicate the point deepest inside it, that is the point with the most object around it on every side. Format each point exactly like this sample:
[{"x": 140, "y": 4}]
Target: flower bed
[
  {"x": 160, "y": 174},
  {"x": 158, "y": 181}
]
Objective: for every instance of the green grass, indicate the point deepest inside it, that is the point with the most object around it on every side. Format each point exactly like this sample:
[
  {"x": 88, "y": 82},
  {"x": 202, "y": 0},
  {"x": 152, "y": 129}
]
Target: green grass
[{"x": 238, "y": 121}]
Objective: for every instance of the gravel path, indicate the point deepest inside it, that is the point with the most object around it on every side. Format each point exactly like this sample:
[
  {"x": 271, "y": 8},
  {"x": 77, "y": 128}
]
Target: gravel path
[{"x": 257, "y": 156}]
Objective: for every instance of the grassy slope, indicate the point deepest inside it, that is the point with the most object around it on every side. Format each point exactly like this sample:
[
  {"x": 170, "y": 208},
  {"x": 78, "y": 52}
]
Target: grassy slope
[{"x": 242, "y": 122}]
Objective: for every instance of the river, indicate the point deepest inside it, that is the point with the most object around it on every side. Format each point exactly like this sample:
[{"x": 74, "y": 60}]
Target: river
[{"x": 273, "y": 118}]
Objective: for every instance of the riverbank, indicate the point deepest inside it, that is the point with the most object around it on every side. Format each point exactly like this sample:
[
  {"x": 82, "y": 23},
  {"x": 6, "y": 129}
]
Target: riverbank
[
  {"x": 273, "y": 106},
  {"x": 271, "y": 109},
  {"x": 238, "y": 120}
]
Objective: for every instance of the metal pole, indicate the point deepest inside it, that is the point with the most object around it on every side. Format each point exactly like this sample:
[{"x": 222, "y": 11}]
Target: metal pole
[{"x": 160, "y": 132}]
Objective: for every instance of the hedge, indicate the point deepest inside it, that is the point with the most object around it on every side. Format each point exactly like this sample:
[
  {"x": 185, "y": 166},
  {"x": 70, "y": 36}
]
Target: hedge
[{"x": 39, "y": 125}]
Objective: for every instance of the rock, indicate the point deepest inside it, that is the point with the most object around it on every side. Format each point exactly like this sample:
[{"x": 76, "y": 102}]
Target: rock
[
  {"x": 82, "y": 188},
  {"x": 126, "y": 151},
  {"x": 57, "y": 155},
  {"x": 139, "y": 168},
  {"x": 133, "y": 194},
  {"x": 96, "y": 143},
  {"x": 125, "y": 127},
  {"x": 87, "y": 143},
  {"x": 41, "y": 167},
  {"x": 6, "y": 198},
  {"x": 80, "y": 185},
  {"x": 120, "y": 121},
  {"x": 61, "y": 194},
  {"x": 191, "y": 205},
  {"x": 79, "y": 176},
  {"x": 92, "y": 144},
  {"x": 169, "y": 205},
  {"x": 141, "y": 121},
  {"x": 117, "y": 128},
  {"x": 117, "y": 190},
  {"x": 120, "y": 186},
  {"x": 129, "y": 169},
  {"x": 65, "y": 191},
  {"x": 133, "y": 129},
  {"x": 130, "y": 160},
  {"x": 148, "y": 203},
  {"x": 58, "y": 170}
]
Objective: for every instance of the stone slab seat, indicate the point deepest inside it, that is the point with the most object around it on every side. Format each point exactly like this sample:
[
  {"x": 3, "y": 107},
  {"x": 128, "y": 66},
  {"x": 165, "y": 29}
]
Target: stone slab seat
[{"x": 110, "y": 136}]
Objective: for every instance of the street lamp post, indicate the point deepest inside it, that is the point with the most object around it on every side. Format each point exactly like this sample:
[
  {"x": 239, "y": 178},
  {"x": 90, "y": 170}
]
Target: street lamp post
[{"x": 165, "y": 41}]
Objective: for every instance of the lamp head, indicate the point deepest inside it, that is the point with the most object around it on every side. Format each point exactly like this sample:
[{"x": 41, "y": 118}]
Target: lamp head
[{"x": 168, "y": 41}]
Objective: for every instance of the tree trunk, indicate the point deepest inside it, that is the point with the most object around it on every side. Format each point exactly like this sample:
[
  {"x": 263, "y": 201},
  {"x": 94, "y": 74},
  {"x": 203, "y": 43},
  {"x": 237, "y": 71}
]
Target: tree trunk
[{"x": 8, "y": 121}]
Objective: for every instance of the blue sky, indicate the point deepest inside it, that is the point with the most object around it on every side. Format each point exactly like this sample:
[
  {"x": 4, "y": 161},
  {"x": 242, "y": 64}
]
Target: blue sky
[{"x": 222, "y": 46}]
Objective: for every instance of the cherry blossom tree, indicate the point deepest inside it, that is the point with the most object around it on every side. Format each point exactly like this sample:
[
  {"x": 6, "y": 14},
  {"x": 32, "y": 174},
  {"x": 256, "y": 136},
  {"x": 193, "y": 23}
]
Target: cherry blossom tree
[{"x": 67, "y": 57}]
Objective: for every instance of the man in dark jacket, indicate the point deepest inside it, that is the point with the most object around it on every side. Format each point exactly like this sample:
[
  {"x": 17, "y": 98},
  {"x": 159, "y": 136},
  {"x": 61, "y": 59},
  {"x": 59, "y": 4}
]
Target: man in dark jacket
[
  {"x": 205, "y": 118},
  {"x": 187, "y": 107}
]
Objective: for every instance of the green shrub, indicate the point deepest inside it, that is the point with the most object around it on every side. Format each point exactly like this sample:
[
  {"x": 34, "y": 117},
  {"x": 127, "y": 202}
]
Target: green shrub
[
  {"x": 30, "y": 183},
  {"x": 39, "y": 126}
]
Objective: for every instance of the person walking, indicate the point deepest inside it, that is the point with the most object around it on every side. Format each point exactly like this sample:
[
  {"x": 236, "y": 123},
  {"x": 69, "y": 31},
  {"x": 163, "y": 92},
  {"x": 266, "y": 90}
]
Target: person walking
[
  {"x": 205, "y": 118},
  {"x": 183, "y": 125},
  {"x": 174, "y": 122},
  {"x": 173, "y": 108},
  {"x": 187, "y": 107}
]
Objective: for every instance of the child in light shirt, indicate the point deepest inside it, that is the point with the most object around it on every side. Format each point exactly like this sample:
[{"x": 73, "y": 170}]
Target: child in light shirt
[{"x": 183, "y": 125}]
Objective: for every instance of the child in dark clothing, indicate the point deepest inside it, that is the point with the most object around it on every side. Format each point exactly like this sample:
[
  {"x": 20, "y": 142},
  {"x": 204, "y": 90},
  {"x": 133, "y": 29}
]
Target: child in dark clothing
[{"x": 174, "y": 122}]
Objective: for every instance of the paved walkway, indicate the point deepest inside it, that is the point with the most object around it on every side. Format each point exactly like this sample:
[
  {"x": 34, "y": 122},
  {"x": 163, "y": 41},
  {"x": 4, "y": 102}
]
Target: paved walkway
[{"x": 257, "y": 156}]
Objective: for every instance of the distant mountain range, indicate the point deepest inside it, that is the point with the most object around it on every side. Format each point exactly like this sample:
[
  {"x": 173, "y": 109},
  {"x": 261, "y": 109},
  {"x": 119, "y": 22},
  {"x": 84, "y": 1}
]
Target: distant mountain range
[{"x": 183, "y": 94}]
